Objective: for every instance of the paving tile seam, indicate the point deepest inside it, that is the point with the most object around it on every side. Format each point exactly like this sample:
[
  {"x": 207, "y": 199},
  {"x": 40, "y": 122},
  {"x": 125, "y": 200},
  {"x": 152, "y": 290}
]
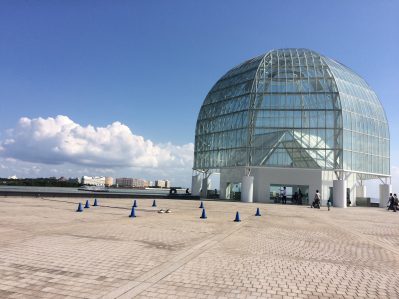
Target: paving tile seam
[
  {"x": 148, "y": 279},
  {"x": 362, "y": 237}
]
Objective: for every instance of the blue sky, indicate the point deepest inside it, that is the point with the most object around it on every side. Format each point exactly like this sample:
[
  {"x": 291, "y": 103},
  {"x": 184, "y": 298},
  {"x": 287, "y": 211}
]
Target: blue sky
[{"x": 150, "y": 64}]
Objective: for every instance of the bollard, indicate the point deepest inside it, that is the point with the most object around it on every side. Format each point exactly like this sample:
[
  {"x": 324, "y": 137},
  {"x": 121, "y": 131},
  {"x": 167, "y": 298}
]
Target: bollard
[
  {"x": 154, "y": 203},
  {"x": 79, "y": 208},
  {"x": 87, "y": 205},
  {"x": 237, "y": 217},
  {"x": 135, "y": 204},
  {"x": 95, "y": 203},
  {"x": 258, "y": 212},
  {"x": 133, "y": 212},
  {"x": 201, "y": 205},
  {"x": 203, "y": 215}
]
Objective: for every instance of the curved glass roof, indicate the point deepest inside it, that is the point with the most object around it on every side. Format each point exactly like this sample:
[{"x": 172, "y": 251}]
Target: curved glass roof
[{"x": 293, "y": 108}]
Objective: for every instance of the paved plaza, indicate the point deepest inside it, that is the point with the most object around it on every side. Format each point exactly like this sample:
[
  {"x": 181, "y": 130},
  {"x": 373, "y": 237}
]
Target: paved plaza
[{"x": 47, "y": 250}]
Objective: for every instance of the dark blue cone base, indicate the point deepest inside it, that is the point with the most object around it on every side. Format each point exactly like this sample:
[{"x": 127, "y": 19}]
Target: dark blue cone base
[
  {"x": 258, "y": 212},
  {"x": 133, "y": 213},
  {"x": 237, "y": 219},
  {"x": 80, "y": 209}
]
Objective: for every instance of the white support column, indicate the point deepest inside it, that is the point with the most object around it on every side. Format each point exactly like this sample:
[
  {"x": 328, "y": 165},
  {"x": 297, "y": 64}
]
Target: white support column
[
  {"x": 204, "y": 189},
  {"x": 196, "y": 185},
  {"x": 385, "y": 189},
  {"x": 339, "y": 193},
  {"x": 247, "y": 189},
  {"x": 361, "y": 191}
]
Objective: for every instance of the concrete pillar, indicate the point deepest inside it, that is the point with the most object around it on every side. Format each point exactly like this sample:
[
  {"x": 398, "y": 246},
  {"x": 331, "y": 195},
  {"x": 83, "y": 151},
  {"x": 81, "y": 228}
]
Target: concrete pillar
[
  {"x": 353, "y": 196},
  {"x": 361, "y": 191},
  {"x": 204, "y": 189},
  {"x": 247, "y": 189},
  {"x": 385, "y": 189},
  {"x": 196, "y": 185},
  {"x": 339, "y": 193}
]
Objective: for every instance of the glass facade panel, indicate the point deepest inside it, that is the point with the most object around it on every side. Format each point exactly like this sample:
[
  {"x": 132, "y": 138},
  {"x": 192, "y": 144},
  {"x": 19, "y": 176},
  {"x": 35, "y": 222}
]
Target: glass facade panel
[{"x": 292, "y": 108}]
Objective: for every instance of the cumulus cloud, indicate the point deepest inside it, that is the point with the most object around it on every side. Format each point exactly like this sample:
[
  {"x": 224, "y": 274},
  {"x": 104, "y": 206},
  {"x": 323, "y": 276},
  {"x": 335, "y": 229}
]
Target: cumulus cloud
[{"x": 60, "y": 140}]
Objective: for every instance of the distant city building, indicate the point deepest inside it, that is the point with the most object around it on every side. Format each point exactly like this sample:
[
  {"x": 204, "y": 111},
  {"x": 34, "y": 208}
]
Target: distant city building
[
  {"x": 140, "y": 183},
  {"x": 74, "y": 180},
  {"x": 132, "y": 183},
  {"x": 93, "y": 180},
  {"x": 124, "y": 182},
  {"x": 109, "y": 181},
  {"x": 162, "y": 183},
  {"x": 159, "y": 183}
]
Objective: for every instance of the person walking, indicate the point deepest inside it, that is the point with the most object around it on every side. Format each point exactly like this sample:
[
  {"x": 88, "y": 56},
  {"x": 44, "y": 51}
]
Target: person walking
[
  {"x": 316, "y": 200},
  {"x": 329, "y": 203},
  {"x": 390, "y": 202},
  {"x": 395, "y": 202}
]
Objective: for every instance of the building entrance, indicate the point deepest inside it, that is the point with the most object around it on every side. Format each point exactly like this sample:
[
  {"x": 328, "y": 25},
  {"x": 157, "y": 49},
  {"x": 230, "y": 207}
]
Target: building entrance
[
  {"x": 296, "y": 194},
  {"x": 233, "y": 191}
]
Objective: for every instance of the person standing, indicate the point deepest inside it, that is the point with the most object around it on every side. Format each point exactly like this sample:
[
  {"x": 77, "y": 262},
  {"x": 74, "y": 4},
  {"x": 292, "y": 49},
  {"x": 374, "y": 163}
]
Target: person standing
[
  {"x": 284, "y": 195},
  {"x": 300, "y": 195}
]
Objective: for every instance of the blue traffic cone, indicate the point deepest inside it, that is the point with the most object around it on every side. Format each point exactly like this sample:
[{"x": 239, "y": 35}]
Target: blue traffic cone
[
  {"x": 203, "y": 215},
  {"x": 87, "y": 205},
  {"x": 258, "y": 212},
  {"x": 79, "y": 208},
  {"x": 95, "y": 203},
  {"x": 133, "y": 212},
  {"x": 154, "y": 203},
  {"x": 237, "y": 217},
  {"x": 201, "y": 205},
  {"x": 135, "y": 204}
]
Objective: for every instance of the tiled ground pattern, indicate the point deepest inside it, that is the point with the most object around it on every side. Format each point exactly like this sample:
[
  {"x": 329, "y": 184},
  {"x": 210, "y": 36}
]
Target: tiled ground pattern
[{"x": 47, "y": 250}]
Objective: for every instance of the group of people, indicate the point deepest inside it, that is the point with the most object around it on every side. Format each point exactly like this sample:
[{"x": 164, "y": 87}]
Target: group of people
[
  {"x": 393, "y": 202},
  {"x": 317, "y": 201},
  {"x": 296, "y": 198}
]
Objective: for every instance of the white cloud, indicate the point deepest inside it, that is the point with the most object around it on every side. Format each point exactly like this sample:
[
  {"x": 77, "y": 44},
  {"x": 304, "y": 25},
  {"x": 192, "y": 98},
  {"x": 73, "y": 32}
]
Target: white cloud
[{"x": 60, "y": 141}]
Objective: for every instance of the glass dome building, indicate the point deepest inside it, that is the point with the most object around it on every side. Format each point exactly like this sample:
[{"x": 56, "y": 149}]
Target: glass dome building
[{"x": 291, "y": 118}]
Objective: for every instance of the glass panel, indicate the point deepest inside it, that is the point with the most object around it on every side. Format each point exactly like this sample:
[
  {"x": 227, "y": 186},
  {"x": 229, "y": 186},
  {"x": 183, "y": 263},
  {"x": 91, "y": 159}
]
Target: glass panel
[{"x": 300, "y": 109}]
